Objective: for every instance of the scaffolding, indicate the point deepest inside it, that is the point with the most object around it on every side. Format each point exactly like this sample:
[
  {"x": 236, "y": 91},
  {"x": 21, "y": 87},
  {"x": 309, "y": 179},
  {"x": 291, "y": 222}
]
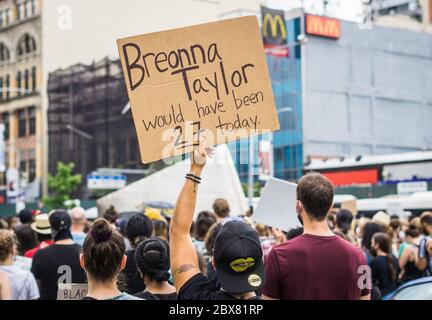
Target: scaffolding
[{"x": 86, "y": 124}]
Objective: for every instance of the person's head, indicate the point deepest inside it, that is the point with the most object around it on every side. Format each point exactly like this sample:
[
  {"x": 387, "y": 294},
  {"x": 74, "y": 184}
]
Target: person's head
[
  {"x": 60, "y": 222},
  {"x": 221, "y": 209},
  {"x": 152, "y": 260},
  {"x": 344, "y": 219},
  {"x": 160, "y": 229},
  {"x": 103, "y": 255},
  {"x": 138, "y": 228},
  {"x": 426, "y": 223},
  {"x": 42, "y": 227},
  {"x": 111, "y": 215},
  {"x": 293, "y": 233},
  {"x": 79, "y": 218},
  {"x": 382, "y": 242},
  {"x": 7, "y": 245},
  {"x": 25, "y": 216},
  {"x": 314, "y": 197},
  {"x": 261, "y": 229},
  {"x": 27, "y": 238},
  {"x": 203, "y": 223},
  {"x": 412, "y": 232},
  {"x": 360, "y": 226},
  {"x": 238, "y": 258},
  {"x": 369, "y": 230},
  {"x": 211, "y": 236},
  {"x": 14, "y": 223},
  {"x": 3, "y": 224},
  {"x": 382, "y": 218},
  {"x": 395, "y": 225}
]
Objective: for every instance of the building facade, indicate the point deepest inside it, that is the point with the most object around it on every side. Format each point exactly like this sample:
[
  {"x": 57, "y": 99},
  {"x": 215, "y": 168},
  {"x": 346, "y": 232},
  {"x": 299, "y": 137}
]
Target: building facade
[
  {"x": 87, "y": 122},
  {"x": 346, "y": 90},
  {"x": 20, "y": 98}
]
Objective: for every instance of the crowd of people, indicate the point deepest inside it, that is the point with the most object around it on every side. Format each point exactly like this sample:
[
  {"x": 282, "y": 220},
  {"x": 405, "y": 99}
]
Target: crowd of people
[{"x": 217, "y": 256}]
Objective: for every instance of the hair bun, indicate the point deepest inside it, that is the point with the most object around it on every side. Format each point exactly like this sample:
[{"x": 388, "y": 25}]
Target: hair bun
[{"x": 101, "y": 230}]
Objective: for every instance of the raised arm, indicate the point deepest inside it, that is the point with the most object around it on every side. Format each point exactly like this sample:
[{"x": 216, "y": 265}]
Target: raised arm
[{"x": 184, "y": 259}]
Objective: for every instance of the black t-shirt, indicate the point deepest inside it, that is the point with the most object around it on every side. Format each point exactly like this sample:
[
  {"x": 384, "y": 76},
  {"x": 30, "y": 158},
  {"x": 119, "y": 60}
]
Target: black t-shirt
[
  {"x": 46, "y": 264},
  {"x": 381, "y": 274},
  {"x": 134, "y": 282},
  {"x": 200, "y": 288},
  {"x": 150, "y": 296}
]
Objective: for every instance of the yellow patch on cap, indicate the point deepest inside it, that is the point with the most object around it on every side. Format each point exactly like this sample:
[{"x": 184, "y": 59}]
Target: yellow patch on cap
[{"x": 241, "y": 265}]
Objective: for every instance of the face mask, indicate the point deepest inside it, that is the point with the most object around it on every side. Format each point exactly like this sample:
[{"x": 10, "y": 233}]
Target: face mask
[{"x": 299, "y": 217}]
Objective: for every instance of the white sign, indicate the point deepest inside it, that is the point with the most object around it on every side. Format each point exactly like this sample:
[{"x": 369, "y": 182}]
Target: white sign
[
  {"x": 107, "y": 182},
  {"x": 411, "y": 187},
  {"x": 71, "y": 291},
  {"x": 277, "y": 205}
]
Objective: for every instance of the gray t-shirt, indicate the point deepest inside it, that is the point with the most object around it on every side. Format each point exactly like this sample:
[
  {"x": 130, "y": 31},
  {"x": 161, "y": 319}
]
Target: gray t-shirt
[{"x": 23, "y": 283}]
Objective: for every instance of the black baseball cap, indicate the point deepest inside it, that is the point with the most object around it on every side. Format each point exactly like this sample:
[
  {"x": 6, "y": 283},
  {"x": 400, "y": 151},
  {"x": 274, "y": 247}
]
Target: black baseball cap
[
  {"x": 61, "y": 223},
  {"x": 239, "y": 258}
]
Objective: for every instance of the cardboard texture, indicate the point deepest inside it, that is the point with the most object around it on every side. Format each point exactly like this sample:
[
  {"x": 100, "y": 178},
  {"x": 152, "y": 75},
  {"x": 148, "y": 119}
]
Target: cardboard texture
[
  {"x": 211, "y": 77},
  {"x": 350, "y": 205},
  {"x": 74, "y": 291},
  {"x": 277, "y": 205}
]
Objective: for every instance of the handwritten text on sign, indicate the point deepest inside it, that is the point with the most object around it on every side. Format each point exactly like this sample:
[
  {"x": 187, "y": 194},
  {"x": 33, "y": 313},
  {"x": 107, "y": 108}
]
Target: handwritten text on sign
[{"x": 210, "y": 77}]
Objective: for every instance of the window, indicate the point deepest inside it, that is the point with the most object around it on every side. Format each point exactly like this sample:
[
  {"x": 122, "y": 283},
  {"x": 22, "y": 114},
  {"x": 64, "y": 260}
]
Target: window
[
  {"x": 4, "y": 52},
  {"x": 26, "y": 45},
  {"x": 33, "y": 7},
  {"x": 5, "y": 17},
  {"x": 32, "y": 166},
  {"x": 19, "y": 11},
  {"x": 22, "y": 123},
  {"x": 5, "y": 119},
  {"x": 22, "y": 161},
  {"x": 32, "y": 121},
  {"x": 18, "y": 83},
  {"x": 33, "y": 76},
  {"x": 28, "y": 9},
  {"x": 7, "y": 87},
  {"x": 26, "y": 81}
]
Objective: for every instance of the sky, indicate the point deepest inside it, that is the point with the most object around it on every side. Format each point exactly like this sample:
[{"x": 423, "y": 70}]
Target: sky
[{"x": 344, "y": 9}]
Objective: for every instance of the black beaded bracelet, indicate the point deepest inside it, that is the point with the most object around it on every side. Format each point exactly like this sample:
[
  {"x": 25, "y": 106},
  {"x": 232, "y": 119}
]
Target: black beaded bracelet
[
  {"x": 193, "y": 176},
  {"x": 193, "y": 179}
]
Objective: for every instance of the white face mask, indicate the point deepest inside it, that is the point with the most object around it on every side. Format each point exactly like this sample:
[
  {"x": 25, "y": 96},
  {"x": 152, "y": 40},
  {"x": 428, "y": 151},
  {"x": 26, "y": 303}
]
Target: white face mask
[{"x": 402, "y": 235}]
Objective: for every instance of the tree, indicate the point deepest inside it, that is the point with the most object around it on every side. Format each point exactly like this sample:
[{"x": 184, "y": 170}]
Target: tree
[{"x": 61, "y": 186}]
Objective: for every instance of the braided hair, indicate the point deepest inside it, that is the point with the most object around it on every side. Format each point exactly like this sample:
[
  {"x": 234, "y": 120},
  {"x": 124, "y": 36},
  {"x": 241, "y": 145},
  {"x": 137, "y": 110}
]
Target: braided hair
[{"x": 152, "y": 259}]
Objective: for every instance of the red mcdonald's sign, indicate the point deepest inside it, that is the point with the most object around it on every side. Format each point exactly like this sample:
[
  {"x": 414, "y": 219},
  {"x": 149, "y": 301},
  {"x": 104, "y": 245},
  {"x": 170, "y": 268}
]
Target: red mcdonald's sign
[{"x": 323, "y": 26}]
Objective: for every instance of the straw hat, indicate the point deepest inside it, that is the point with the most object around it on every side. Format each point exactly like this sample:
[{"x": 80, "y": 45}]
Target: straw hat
[
  {"x": 381, "y": 218},
  {"x": 41, "y": 224}
]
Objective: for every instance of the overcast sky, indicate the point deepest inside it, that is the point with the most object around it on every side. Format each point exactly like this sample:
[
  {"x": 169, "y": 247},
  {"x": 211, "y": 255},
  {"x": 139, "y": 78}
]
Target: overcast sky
[{"x": 345, "y": 9}]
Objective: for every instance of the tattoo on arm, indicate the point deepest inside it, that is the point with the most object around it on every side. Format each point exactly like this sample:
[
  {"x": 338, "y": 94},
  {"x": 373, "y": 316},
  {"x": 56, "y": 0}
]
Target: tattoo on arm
[{"x": 183, "y": 268}]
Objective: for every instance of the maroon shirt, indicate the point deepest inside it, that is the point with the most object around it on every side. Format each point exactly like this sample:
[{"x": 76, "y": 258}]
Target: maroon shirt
[{"x": 312, "y": 267}]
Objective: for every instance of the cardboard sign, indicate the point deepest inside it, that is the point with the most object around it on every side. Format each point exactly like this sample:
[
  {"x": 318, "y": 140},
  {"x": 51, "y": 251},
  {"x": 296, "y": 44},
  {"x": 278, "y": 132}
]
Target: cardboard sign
[
  {"x": 277, "y": 205},
  {"x": 72, "y": 291},
  {"x": 211, "y": 77},
  {"x": 350, "y": 205}
]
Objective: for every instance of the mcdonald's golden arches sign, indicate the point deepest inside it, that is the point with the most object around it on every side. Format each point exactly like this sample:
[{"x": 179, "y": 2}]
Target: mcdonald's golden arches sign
[{"x": 273, "y": 27}]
